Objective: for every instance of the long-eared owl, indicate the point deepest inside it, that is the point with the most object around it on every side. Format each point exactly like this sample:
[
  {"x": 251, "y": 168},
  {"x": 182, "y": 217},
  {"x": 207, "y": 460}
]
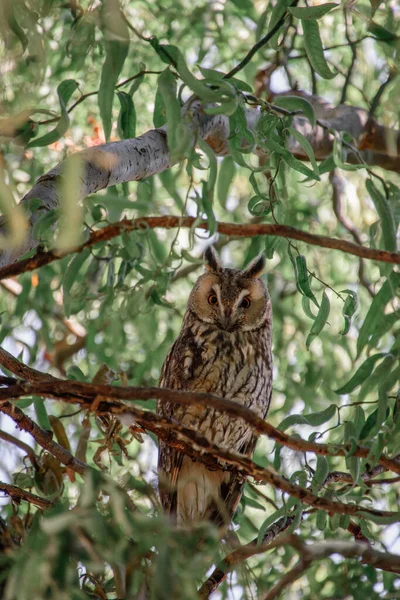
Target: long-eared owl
[{"x": 224, "y": 348}]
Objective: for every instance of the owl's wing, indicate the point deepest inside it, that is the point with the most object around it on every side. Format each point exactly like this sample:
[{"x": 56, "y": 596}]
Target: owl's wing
[
  {"x": 174, "y": 374},
  {"x": 231, "y": 490}
]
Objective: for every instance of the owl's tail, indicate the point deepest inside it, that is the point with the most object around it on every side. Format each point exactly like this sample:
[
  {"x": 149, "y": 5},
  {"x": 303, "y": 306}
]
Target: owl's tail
[{"x": 206, "y": 495}]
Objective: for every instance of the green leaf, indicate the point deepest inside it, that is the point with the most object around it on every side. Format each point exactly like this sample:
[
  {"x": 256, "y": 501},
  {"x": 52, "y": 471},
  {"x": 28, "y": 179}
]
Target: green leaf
[
  {"x": 362, "y": 373},
  {"x": 379, "y": 520},
  {"x": 312, "y": 12},
  {"x": 296, "y": 103},
  {"x": 70, "y": 277},
  {"x": 320, "y": 320},
  {"x": 349, "y": 308},
  {"x": 379, "y": 376},
  {"x": 41, "y": 413},
  {"x": 321, "y": 519},
  {"x": 314, "y": 49},
  {"x": 180, "y": 138},
  {"x": 377, "y": 310},
  {"x": 385, "y": 214},
  {"x": 314, "y": 420},
  {"x": 127, "y": 116},
  {"x": 321, "y": 473},
  {"x": 382, "y": 34},
  {"x": 64, "y": 92},
  {"x": 288, "y": 157},
  {"x": 278, "y": 11},
  {"x": 305, "y": 144},
  {"x": 337, "y": 156},
  {"x": 226, "y": 175},
  {"x": 116, "y": 44},
  {"x": 303, "y": 278}
]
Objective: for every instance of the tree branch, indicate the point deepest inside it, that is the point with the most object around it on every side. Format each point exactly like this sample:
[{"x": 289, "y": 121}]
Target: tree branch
[
  {"x": 262, "y": 42},
  {"x": 309, "y": 553},
  {"x": 174, "y": 434},
  {"x": 241, "y": 554},
  {"x": 18, "y": 494},
  {"x": 42, "y": 437},
  {"x": 170, "y": 222},
  {"x": 73, "y": 391}
]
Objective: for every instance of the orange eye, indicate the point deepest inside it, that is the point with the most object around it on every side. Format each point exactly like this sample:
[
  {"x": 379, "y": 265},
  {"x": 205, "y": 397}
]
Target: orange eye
[
  {"x": 212, "y": 299},
  {"x": 246, "y": 302}
]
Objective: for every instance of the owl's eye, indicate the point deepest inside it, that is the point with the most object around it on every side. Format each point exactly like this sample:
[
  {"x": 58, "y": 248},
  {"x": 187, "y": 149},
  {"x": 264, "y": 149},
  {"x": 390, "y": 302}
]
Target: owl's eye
[
  {"x": 212, "y": 299},
  {"x": 246, "y": 302}
]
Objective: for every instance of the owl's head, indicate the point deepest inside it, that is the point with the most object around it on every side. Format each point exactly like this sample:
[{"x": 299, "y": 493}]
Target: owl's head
[{"x": 231, "y": 299}]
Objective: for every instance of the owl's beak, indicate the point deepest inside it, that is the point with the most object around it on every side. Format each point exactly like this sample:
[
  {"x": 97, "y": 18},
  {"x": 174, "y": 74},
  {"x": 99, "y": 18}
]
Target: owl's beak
[{"x": 227, "y": 322}]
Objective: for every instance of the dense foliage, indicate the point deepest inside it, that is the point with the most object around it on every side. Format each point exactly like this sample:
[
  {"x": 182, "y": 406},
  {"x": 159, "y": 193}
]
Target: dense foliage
[{"x": 77, "y": 74}]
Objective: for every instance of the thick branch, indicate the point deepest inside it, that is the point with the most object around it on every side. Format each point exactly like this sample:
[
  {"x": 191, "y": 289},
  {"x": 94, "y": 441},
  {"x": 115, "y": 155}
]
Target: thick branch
[
  {"x": 170, "y": 222},
  {"x": 18, "y": 494},
  {"x": 73, "y": 391},
  {"x": 185, "y": 439}
]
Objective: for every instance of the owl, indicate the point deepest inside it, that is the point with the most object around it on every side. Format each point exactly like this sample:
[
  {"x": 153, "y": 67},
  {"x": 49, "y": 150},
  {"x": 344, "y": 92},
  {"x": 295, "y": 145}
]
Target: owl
[{"x": 224, "y": 348}]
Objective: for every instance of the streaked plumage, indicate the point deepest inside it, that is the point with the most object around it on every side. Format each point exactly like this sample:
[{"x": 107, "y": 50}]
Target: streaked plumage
[{"x": 224, "y": 347}]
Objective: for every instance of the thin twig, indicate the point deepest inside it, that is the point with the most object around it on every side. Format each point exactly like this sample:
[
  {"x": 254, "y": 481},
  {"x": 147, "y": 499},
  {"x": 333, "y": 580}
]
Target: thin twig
[
  {"x": 260, "y": 43},
  {"x": 241, "y": 554},
  {"x": 17, "y": 494}
]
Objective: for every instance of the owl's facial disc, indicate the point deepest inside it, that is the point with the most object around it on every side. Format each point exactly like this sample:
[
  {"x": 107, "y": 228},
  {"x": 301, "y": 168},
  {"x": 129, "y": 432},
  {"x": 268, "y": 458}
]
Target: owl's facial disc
[{"x": 230, "y": 301}]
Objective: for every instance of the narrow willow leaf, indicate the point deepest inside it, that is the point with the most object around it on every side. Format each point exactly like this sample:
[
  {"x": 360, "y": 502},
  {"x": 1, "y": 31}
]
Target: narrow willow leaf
[
  {"x": 288, "y": 157},
  {"x": 320, "y": 521},
  {"x": 338, "y": 160},
  {"x": 379, "y": 520},
  {"x": 321, "y": 473},
  {"x": 41, "y": 413},
  {"x": 305, "y": 144},
  {"x": 382, "y": 34},
  {"x": 296, "y": 103},
  {"x": 305, "y": 302},
  {"x": 226, "y": 175},
  {"x": 378, "y": 377},
  {"x": 241, "y": 137},
  {"x": 320, "y": 320},
  {"x": 70, "y": 232},
  {"x": 370, "y": 428},
  {"x": 171, "y": 55},
  {"x": 303, "y": 278},
  {"x": 385, "y": 214},
  {"x": 64, "y": 92},
  {"x": 327, "y": 165},
  {"x": 277, "y": 13},
  {"x": 9, "y": 14},
  {"x": 70, "y": 276},
  {"x": 314, "y": 420},
  {"x": 116, "y": 43},
  {"x": 127, "y": 116},
  {"x": 15, "y": 216},
  {"x": 180, "y": 138},
  {"x": 209, "y": 186},
  {"x": 377, "y": 309},
  {"x": 312, "y": 12},
  {"x": 362, "y": 373},
  {"x": 60, "y": 433},
  {"x": 314, "y": 49},
  {"x": 349, "y": 308}
]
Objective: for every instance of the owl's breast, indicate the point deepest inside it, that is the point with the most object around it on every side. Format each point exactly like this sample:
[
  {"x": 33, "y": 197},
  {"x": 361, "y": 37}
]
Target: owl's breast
[{"x": 237, "y": 367}]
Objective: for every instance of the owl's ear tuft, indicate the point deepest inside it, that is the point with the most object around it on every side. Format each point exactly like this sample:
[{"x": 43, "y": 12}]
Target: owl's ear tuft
[
  {"x": 212, "y": 259},
  {"x": 255, "y": 267}
]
